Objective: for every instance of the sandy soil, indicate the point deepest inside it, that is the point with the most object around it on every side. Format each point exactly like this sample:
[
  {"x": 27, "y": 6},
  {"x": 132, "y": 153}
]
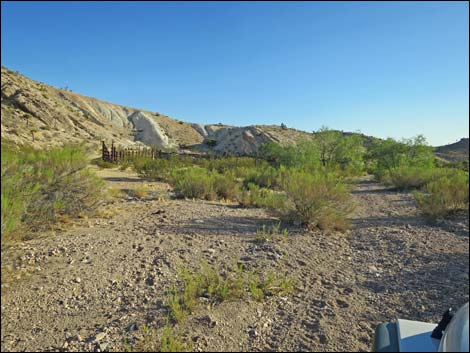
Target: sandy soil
[{"x": 99, "y": 280}]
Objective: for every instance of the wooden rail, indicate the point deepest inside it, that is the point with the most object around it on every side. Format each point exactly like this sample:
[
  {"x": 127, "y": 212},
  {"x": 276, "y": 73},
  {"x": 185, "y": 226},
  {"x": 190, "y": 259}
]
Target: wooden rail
[{"x": 118, "y": 154}]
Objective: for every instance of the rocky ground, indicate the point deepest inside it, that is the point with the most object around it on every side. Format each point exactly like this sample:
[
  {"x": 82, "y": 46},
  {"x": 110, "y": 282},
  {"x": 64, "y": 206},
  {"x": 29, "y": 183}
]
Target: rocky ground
[{"x": 98, "y": 281}]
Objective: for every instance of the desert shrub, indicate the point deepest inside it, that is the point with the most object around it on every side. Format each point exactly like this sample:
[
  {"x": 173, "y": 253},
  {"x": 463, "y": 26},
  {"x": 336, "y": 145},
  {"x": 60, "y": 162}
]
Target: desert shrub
[
  {"x": 211, "y": 142},
  {"x": 444, "y": 195},
  {"x": 156, "y": 169},
  {"x": 328, "y": 149},
  {"x": 124, "y": 165},
  {"x": 140, "y": 192},
  {"x": 193, "y": 182},
  {"x": 408, "y": 177},
  {"x": 103, "y": 164},
  {"x": 115, "y": 192},
  {"x": 254, "y": 196},
  {"x": 39, "y": 187},
  {"x": 338, "y": 151},
  {"x": 304, "y": 155},
  {"x": 224, "y": 185},
  {"x": 386, "y": 155},
  {"x": 266, "y": 177},
  {"x": 317, "y": 200},
  {"x": 222, "y": 165}
]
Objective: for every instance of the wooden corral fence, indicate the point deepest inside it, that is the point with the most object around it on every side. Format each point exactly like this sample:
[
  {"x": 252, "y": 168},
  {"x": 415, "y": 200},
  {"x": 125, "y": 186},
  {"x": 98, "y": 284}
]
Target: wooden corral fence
[{"x": 117, "y": 154}]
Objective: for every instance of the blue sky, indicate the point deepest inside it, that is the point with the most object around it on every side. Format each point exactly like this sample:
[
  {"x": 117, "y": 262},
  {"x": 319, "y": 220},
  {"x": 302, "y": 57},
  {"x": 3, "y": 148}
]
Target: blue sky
[{"x": 387, "y": 69}]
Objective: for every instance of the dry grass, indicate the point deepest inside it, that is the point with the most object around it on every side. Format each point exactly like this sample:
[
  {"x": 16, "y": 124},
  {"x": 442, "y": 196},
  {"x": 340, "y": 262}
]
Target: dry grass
[
  {"x": 140, "y": 192},
  {"x": 115, "y": 193}
]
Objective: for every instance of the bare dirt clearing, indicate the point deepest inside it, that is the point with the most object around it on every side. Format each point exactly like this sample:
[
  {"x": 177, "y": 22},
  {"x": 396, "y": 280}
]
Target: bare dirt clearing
[{"x": 100, "y": 280}]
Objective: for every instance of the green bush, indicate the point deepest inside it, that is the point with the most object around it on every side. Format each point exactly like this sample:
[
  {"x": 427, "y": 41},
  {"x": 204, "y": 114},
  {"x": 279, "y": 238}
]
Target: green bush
[
  {"x": 265, "y": 178},
  {"x": 103, "y": 164},
  {"x": 444, "y": 195},
  {"x": 219, "y": 284},
  {"x": 317, "y": 200},
  {"x": 408, "y": 177},
  {"x": 224, "y": 185},
  {"x": 262, "y": 197},
  {"x": 193, "y": 182},
  {"x": 384, "y": 156},
  {"x": 159, "y": 169},
  {"x": 211, "y": 142},
  {"x": 38, "y": 187}
]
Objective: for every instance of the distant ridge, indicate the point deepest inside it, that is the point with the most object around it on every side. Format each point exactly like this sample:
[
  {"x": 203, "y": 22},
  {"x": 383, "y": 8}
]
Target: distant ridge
[{"x": 455, "y": 151}]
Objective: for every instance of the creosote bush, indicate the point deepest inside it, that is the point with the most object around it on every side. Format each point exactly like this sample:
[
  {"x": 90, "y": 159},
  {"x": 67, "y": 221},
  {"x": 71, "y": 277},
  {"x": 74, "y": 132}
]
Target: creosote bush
[
  {"x": 319, "y": 200},
  {"x": 444, "y": 195},
  {"x": 41, "y": 187},
  {"x": 409, "y": 177}
]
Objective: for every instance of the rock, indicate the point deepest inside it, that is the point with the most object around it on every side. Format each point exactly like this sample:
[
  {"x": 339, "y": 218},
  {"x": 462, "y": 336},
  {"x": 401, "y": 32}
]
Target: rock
[
  {"x": 78, "y": 280},
  {"x": 132, "y": 327},
  {"x": 149, "y": 131},
  {"x": 253, "y": 333},
  {"x": 210, "y": 251},
  {"x": 208, "y": 321},
  {"x": 103, "y": 346},
  {"x": 99, "y": 336}
]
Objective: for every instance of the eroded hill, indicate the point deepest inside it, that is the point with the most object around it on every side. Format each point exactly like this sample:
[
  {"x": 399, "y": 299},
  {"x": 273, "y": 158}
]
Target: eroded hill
[{"x": 42, "y": 115}]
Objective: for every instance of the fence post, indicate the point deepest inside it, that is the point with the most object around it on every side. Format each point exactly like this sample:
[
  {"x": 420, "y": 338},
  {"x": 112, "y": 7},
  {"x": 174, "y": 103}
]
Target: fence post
[{"x": 113, "y": 150}]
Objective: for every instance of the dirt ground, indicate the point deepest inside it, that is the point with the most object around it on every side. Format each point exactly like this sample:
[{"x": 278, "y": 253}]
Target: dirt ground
[{"x": 99, "y": 280}]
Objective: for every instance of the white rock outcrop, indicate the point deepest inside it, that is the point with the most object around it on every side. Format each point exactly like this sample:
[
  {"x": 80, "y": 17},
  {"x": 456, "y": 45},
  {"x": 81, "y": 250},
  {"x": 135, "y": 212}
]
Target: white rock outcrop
[
  {"x": 148, "y": 130},
  {"x": 200, "y": 128}
]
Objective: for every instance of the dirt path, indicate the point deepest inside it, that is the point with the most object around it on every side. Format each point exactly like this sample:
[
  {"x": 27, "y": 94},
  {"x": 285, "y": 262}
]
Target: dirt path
[{"x": 109, "y": 275}]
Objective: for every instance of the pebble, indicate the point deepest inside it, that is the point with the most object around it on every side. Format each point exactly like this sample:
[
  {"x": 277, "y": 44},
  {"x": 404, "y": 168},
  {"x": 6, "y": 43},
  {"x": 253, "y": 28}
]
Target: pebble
[{"x": 100, "y": 336}]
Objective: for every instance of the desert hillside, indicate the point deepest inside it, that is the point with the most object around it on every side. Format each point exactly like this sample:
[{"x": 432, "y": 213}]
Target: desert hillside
[
  {"x": 42, "y": 115},
  {"x": 455, "y": 151},
  {"x": 45, "y": 116}
]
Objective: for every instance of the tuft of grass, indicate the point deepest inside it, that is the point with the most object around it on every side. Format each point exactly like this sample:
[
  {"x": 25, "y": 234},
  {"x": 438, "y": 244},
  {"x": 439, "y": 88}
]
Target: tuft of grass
[
  {"x": 267, "y": 233},
  {"x": 256, "y": 196},
  {"x": 173, "y": 342},
  {"x": 103, "y": 164},
  {"x": 262, "y": 287},
  {"x": 170, "y": 341},
  {"x": 115, "y": 192},
  {"x": 140, "y": 192},
  {"x": 218, "y": 285}
]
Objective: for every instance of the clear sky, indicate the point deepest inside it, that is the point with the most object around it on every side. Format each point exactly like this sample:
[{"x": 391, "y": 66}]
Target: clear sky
[{"x": 387, "y": 69}]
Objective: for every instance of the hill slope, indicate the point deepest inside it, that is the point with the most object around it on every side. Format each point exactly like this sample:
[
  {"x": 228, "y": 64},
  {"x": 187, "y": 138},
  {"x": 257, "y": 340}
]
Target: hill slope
[
  {"x": 42, "y": 115},
  {"x": 455, "y": 151}
]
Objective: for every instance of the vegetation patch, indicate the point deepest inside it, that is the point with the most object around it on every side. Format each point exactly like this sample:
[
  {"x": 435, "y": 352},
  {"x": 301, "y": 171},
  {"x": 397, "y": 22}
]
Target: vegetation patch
[
  {"x": 319, "y": 200},
  {"x": 41, "y": 187},
  {"x": 217, "y": 285},
  {"x": 444, "y": 196}
]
